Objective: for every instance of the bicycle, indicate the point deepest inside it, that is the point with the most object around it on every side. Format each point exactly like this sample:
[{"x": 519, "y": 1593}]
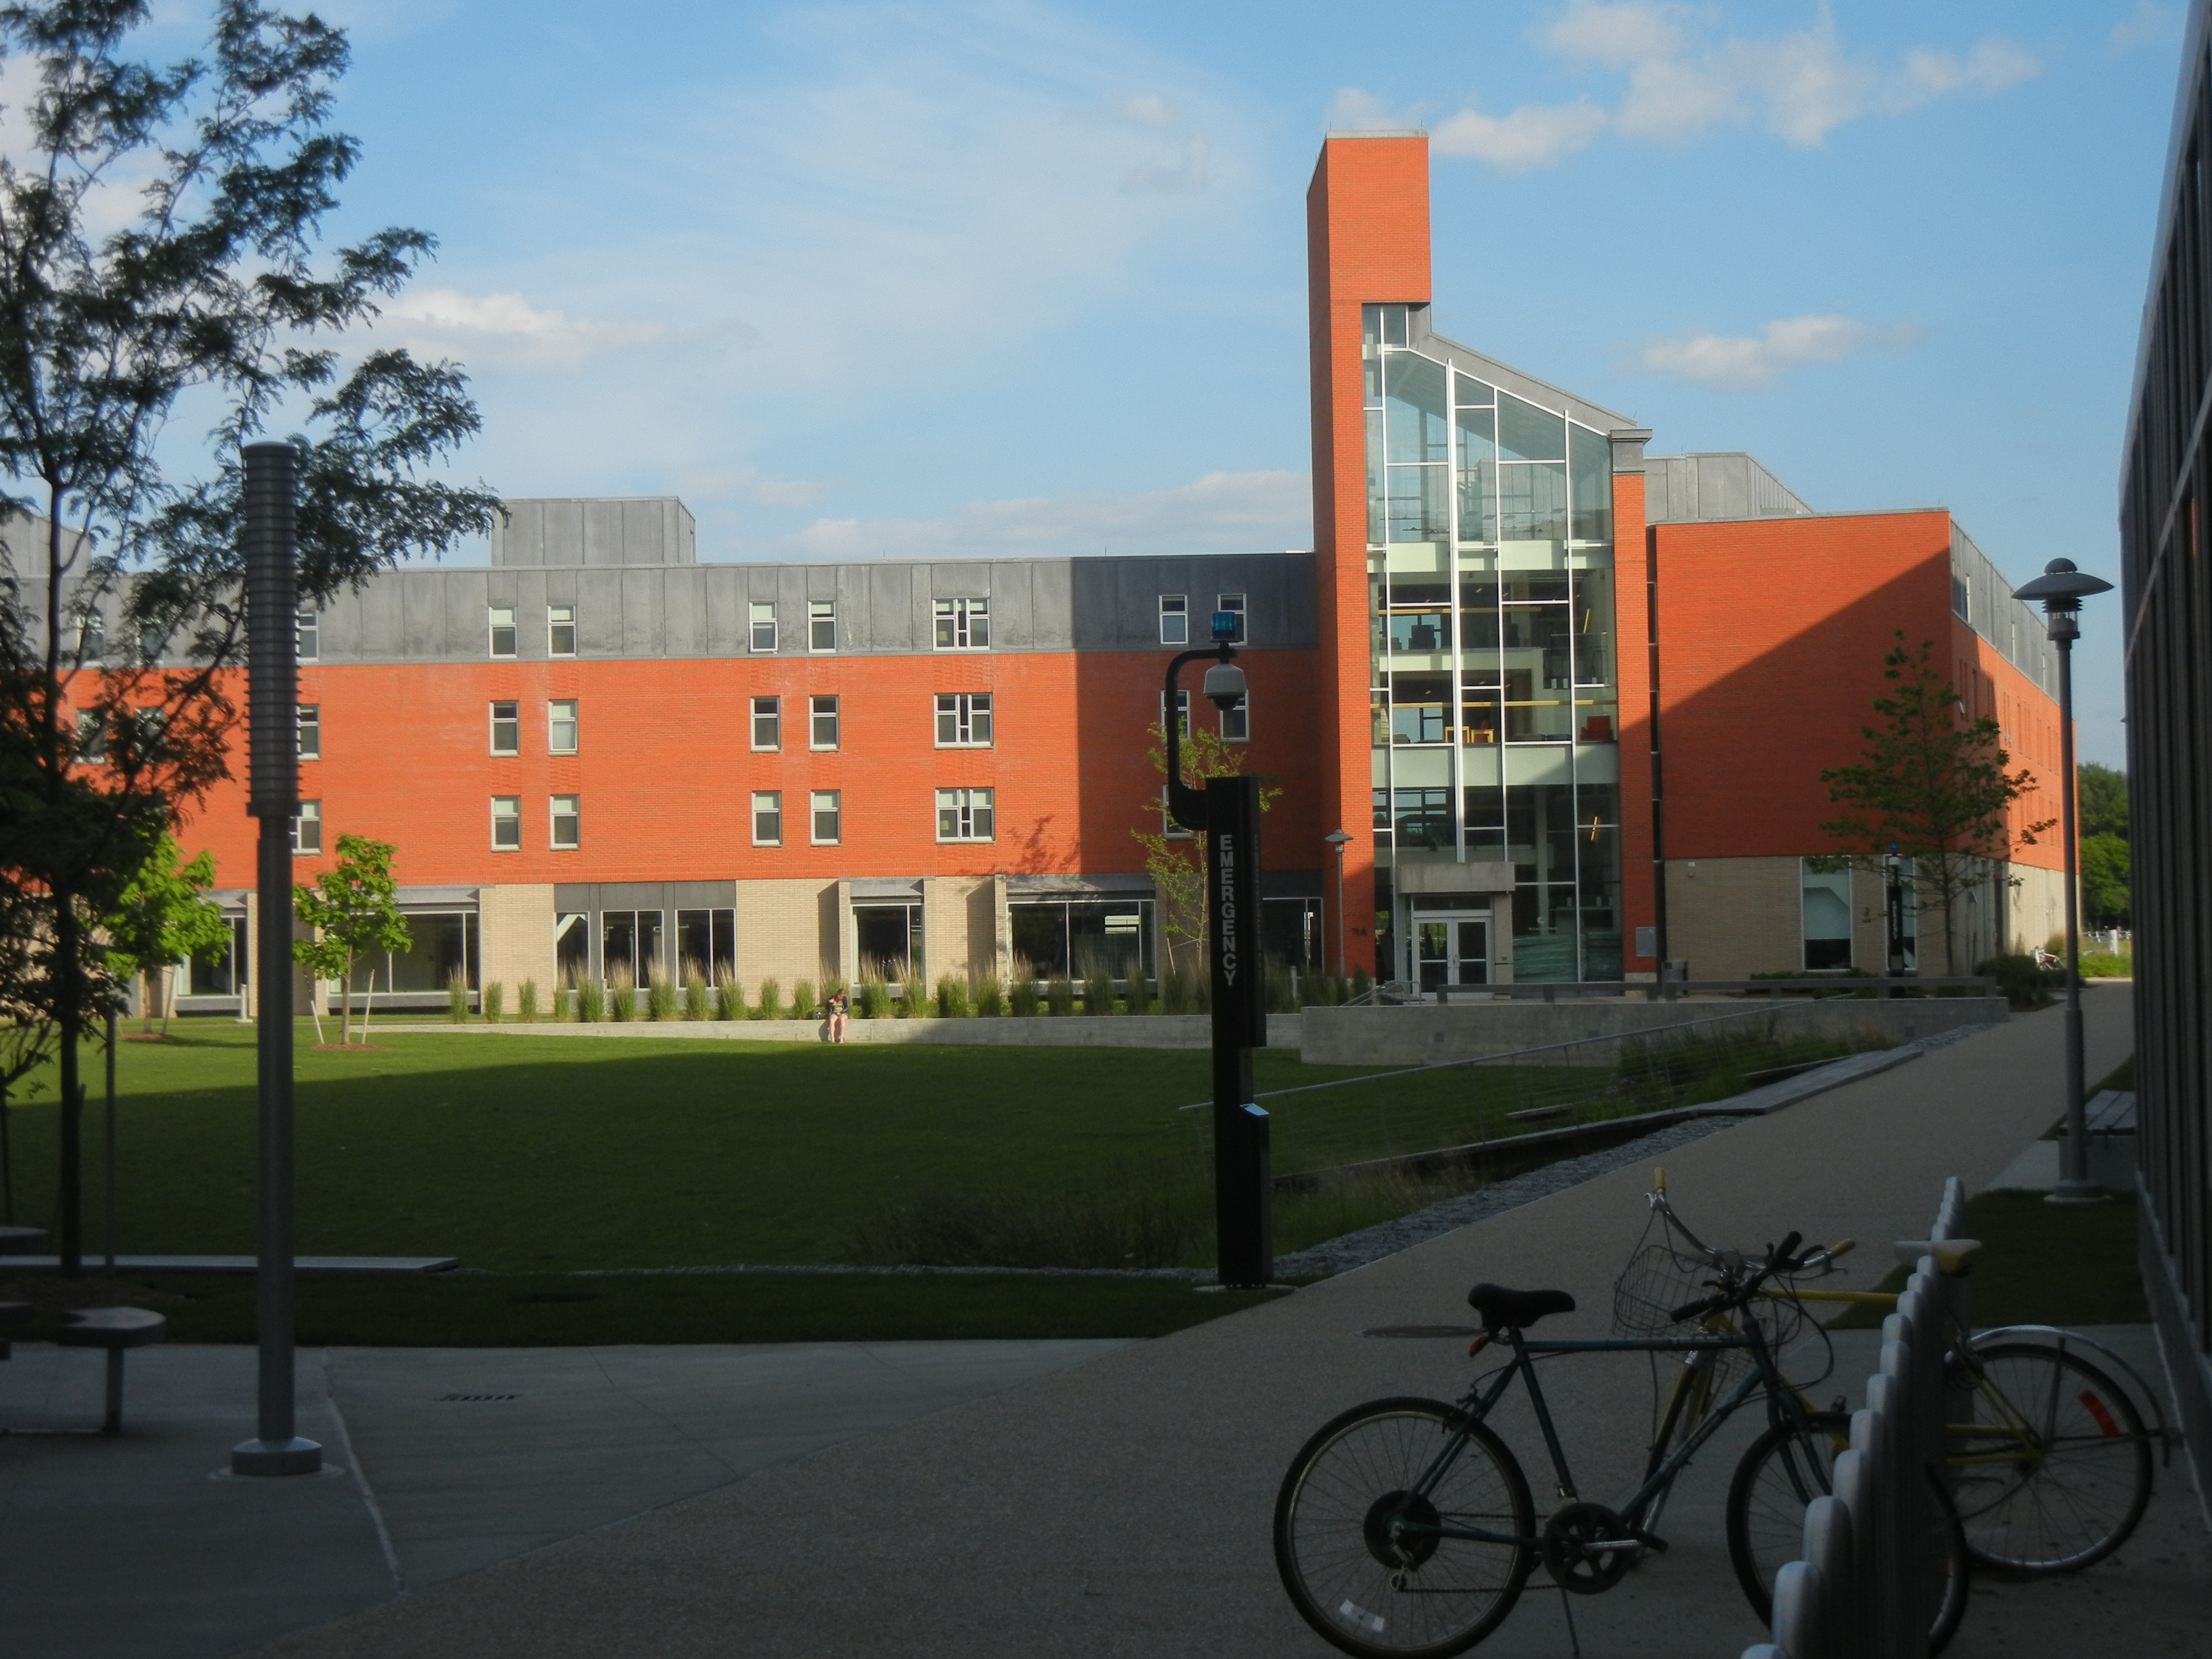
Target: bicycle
[
  {"x": 2050, "y": 1467},
  {"x": 1405, "y": 1527}
]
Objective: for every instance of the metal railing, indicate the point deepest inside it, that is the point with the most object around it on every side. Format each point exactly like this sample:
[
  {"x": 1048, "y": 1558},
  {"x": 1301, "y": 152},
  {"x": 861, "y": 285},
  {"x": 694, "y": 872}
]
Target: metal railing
[{"x": 1872, "y": 1573}]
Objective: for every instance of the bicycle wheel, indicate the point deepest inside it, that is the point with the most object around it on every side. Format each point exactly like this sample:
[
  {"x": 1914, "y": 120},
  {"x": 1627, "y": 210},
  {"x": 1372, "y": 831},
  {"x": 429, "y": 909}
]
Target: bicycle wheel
[
  {"x": 1786, "y": 1468},
  {"x": 1354, "y": 1538},
  {"x": 2057, "y": 1469}
]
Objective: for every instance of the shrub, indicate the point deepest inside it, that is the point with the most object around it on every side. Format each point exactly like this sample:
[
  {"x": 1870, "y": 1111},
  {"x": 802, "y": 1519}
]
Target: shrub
[
  {"x": 729, "y": 998},
  {"x": 914, "y": 996},
  {"x": 2023, "y": 984},
  {"x": 659, "y": 995},
  {"x": 771, "y": 1001},
  {"x": 525, "y": 1002},
  {"x": 2106, "y": 964},
  {"x": 872, "y": 998},
  {"x": 951, "y": 998},
  {"x": 991, "y": 999},
  {"x": 1098, "y": 993},
  {"x": 1022, "y": 998},
  {"x": 698, "y": 1001},
  {"x": 1176, "y": 994},
  {"x": 590, "y": 1002},
  {"x": 622, "y": 993},
  {"x": 804, "y": 1002},
  {"x": 1362, "y": 982},
  {"x": 495, "y": 1000},
  {"x": 1140, "y": 993},
  {"x": 457, "y": 997},
  {"x": 1059, "y": 995}
]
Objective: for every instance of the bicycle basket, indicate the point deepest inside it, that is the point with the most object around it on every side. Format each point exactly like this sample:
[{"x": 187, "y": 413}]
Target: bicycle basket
[{"x": 1657, "y": 1280}]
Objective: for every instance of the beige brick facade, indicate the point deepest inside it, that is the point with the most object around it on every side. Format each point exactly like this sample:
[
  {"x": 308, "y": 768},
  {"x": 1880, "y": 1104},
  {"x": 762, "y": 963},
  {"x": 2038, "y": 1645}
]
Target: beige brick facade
[
  {"x": 514, "y": 937},
  {"x": 1732, "y": 918},
  {"x": 788, "y": 930}
]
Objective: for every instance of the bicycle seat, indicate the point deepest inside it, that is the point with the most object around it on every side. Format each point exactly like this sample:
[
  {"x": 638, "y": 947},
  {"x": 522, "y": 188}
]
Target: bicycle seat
[{"x": 1518, "y": 1309}]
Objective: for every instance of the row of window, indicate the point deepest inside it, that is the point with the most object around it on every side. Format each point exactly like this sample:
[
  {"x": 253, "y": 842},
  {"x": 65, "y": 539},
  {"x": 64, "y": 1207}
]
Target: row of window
[
  {"x": 963, "y": 814},
  {"x": 958, "y": 625}
]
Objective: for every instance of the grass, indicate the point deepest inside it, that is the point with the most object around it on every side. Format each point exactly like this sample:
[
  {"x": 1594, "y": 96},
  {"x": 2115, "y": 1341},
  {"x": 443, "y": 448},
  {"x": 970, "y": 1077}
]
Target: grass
[
  {"x": 2049, "y": 1264},
  {"x": 468, "y": 1310}
]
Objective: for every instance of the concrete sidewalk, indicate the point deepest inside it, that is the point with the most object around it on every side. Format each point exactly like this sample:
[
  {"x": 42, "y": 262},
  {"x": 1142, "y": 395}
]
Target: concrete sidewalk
[{"x": 1121, "y": 1507}]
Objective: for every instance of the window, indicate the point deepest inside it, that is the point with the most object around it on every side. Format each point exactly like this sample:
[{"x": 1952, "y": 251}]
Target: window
[
  {"x": 91, "y": 737},
  {"x": 310, "y": 719},
  {"x": 707, "y": 943},
  {"x": 1827, "y": 913},
  {"x": 503, "y": 630},
  {"x": 768, "y": 819},
  {"x": 964, "y": 719},
  {"x": 507, "y": 823},
  {"x": 1234, "y": 604},
  {"x": 561, "y": 728},
  {"x": 91, "y": 636},
  {"x": 762, "y": 612},
  {"x": 1174, "y": 619},
  {"x": 963, "y": 624},
  {"x": 965, "y": 814},
  {"x": 822, "y": 624},
  {"x": 506, "y": 728},
  {"x": 822, "y": 723},
  {"x": 308, "y": 828},
  {"x": 823, "y": 814},
  {"x": 1236, "y": 720},
  {"x": 768, "y": 723},
  {"x": 566, "y": 815},
  {"x": 1183, "y": 712},
  {"x": 309, "y": 632},
  {"x": 561, "y": 631}
]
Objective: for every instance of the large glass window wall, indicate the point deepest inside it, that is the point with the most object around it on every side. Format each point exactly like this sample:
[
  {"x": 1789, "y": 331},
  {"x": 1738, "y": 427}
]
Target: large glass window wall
[{"x": 1495, "y": 705}]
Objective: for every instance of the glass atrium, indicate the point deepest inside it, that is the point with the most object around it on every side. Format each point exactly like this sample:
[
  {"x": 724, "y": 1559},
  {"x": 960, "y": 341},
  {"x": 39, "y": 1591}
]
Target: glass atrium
[{"x": 1495, "y": 698}]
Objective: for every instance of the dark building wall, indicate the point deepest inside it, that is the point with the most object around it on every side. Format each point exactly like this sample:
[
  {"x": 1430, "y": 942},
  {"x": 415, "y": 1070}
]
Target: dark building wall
[{"x": 2167, "y": 614}]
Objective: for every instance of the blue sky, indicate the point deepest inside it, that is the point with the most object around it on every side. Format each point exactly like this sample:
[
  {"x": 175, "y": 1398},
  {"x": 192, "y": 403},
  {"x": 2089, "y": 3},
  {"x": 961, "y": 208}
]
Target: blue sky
[{"x": 913, "y": 279}]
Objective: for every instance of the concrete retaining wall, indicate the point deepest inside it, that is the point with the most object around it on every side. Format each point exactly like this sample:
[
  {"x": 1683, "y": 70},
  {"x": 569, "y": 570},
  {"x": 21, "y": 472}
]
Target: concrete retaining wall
[
  {"x": 1078, "y": 1031},
  {"x": 1417, "y": 1036}
]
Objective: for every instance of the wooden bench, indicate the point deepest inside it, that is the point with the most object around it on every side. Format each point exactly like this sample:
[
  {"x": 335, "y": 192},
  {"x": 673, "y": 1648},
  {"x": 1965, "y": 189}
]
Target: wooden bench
[{"x": 113, "y": 1329}]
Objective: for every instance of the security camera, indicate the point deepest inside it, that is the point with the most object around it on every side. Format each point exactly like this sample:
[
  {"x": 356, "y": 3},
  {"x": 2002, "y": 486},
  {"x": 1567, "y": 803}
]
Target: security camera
[{"x": 1224, "y": 685}]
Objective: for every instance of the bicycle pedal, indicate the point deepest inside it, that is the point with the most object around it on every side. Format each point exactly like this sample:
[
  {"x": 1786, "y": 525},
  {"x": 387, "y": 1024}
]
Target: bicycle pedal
[{"x": 1652, "y": 1542}]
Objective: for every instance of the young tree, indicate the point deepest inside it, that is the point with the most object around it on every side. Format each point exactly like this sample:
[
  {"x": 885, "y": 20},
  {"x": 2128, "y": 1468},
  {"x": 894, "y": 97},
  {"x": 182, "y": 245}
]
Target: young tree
[
  {"x": 1177, "y": 863},
  {"x": 162, "y": 919},
  {"x": 1931, "y": 785},
  {"x": 354, "y": 907},
  {"x": 159, "y": 225}
]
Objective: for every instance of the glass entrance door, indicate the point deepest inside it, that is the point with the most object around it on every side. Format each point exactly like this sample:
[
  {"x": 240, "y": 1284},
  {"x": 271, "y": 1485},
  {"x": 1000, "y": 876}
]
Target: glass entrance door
[{"x": 1451, "y": 948}]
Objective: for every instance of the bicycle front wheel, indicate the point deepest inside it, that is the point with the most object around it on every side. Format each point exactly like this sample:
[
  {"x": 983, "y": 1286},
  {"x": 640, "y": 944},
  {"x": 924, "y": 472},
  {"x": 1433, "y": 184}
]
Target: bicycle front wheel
[
  {"x": 2055, "y": 1469},
  {"x": 1366, "y": 1525},
  {"x": 1786, "y": 1468}
]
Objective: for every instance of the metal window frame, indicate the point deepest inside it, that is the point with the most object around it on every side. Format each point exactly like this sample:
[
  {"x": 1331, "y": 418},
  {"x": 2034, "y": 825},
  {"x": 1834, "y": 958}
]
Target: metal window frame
[
  {"x": 553, "y": 621},
  {"x": 499, "y": 818},
  {"x": 575, "y": 707},
  {"x": 492, "y": 735},
  {"x": 758, "y": 796},
  {"x": 775, "y": 716},
  {"x": 834, "y": 716},
  {"x": 837, "y": 810},
  {"x": 554, "y": 818},
  {"x": 492, "y": 625}
]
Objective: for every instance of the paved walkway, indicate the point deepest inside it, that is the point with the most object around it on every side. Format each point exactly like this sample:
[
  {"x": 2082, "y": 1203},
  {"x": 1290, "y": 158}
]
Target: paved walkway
[
  {"x": 1113, "y": 1507},
  {"x": 1120, "y": 1507}
]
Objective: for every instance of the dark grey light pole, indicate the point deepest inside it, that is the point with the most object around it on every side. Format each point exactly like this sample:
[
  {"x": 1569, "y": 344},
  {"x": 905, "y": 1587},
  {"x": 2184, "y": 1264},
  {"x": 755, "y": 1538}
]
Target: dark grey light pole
[
  {"x": 2062, "y": 588},
  {"x": 1337, "y": 838},
  {"x": 1227, "y": 811},
  {"x": 272, "y": 660},
  {"x": 1894, "y": 908}
]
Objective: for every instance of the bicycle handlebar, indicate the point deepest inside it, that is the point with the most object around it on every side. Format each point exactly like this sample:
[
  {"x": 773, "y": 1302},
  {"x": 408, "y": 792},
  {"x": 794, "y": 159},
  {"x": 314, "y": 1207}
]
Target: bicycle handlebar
[{"x": 1779, "y": 1259}]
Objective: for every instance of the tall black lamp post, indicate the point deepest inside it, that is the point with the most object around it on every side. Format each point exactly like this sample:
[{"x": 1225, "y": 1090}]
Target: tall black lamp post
[
  {"x": 1339, "y": 839},
  {"x": 1227, "y": 812},
  {"x": 2062, "y": 588},
  {"x": 272, "y": 683}
]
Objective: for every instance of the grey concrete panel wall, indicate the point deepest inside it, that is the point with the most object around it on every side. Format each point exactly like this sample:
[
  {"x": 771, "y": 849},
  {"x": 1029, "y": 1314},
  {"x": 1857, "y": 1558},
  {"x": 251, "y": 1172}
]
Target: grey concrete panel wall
[
  {"x": 2015, "y": 630},
  {"x": 599, "y": 613},
  {"x": 642, "y": 610},
  {"x": 595, "y": 530}
]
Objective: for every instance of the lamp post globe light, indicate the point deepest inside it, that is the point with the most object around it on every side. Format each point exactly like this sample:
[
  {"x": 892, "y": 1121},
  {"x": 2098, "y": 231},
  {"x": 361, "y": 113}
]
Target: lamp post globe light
[
  {"x": 1337, "y": 838},
  {"x": 2061, "y": 589}
]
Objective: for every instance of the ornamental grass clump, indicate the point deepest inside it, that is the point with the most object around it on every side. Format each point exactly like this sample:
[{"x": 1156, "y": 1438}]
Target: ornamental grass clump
[
  {"x": 913, "y": 997},
  {"x": 698, "y": 999},
  {"x": 525, "y": 1002},
  {"x": 457, "y": 997},
  {"x": 1022, "y": 996},
  {"x": 771, "y": 1001},
  {"x": 622, "y": 993},
  {"x": 1362, "y": 983},
  {"x": 495, "y": 1001},
  {"x": 590, "y": 1002},
  {"x": 803, "y": 1003},
  {"x": 1139, "y": 992},
  {"x": 1059, "y": 995},
  {"x": 991, "y": 1000},
  {"x": 1098, "y": 993},
  {"x": 659, "y": 995},
  {"x": 1177, "y": 996},
  {"x": 951, "y": 998},
  {"x": 872, "y": 1000},
  {"x": 1280, "y": 986},
  {"x": 729, "y": 998}
]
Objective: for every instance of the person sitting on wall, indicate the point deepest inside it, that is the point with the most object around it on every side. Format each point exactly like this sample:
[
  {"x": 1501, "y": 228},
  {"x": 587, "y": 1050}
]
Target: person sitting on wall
[{"x": 838, "y": 1004}]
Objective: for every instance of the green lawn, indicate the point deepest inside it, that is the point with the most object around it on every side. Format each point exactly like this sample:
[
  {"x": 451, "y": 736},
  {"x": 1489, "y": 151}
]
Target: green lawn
[{"x": 2049, "y": 1264}]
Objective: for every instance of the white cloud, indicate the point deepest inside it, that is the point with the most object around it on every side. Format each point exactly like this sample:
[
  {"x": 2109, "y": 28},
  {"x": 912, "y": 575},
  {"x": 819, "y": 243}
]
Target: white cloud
[
  {"x": 1354, "y": 109},
  {"x": 1530, "y": 136},
  {"x": 1149, "y": 109},
  {"x": 1181, "y": 171},
  {"x": 2149, "y": 22},
  {"x": 1683, "y": 81},
  {"x": 1221, "y": 511},
  {"x": 505, "y": 330},
  {"x": 1737, "y": 362},
  {"x": 745, "y": 484}
]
